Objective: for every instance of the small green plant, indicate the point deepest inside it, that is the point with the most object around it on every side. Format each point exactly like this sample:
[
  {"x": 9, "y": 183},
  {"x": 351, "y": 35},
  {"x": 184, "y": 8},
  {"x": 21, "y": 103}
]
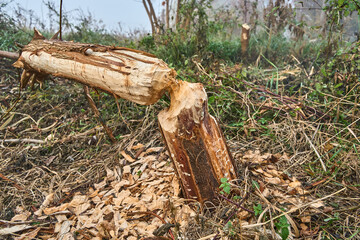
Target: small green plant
[
  {"x": 258, "y": 209},
  {"x": 332, "y": 219},
  {"x": 225, "y": 186},
  {"x": 229, "y": 228},
  {"x": 282, "y": 227}
]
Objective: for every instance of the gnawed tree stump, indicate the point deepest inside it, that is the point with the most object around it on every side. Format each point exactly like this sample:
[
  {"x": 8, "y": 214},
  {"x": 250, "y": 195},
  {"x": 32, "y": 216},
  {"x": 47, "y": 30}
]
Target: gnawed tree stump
[
  {"x": 195, "y": 142},
  {"x": 192, "y": 135}
]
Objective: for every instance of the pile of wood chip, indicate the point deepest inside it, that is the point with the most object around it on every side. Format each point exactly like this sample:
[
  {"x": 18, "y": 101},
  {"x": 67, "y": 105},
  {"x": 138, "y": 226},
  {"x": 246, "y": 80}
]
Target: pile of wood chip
[
  {"x": 140, "y": 200},
  {"x": 137, "y": 200}
]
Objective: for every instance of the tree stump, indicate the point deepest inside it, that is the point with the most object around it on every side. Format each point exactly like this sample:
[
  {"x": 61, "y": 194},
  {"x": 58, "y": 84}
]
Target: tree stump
[
  {"x": 195, "y": 142},
  {"x": 245, "y": 37}
]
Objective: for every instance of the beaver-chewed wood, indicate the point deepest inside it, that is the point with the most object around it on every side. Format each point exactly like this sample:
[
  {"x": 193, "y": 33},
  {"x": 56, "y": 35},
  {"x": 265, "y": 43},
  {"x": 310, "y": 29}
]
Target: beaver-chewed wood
[
  {"x": 130, "y": 74},
  {"x": 194, "y": 140}
]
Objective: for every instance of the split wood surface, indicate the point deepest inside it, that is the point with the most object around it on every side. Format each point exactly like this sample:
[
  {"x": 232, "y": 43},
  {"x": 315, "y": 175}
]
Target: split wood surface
[{"x": 192, "y": 136}]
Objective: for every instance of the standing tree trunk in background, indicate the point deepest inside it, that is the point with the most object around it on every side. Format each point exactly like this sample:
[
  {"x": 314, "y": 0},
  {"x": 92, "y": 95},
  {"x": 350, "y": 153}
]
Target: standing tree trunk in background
[
  {"x": 155, "y": 28},
  {"x": 178, "y": 8},
  {"x": 150, "y": 18},
  {"x": 193, "y": 137},
  {"x": 167, "y": 14},
  {"x": 245, "y": 37}
]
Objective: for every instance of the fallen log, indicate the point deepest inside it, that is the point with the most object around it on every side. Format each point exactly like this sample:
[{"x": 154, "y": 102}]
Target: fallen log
[
  {"x": 130, "y": 74},
  {"x": 192, "y": 136}
]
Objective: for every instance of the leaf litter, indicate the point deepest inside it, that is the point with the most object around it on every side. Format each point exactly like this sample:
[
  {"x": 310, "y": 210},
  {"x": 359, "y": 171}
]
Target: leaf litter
[
  {"x": 122, "y": 206},
  {"x": 137, "y": 197},
  {"x": 143, "y": 196}
]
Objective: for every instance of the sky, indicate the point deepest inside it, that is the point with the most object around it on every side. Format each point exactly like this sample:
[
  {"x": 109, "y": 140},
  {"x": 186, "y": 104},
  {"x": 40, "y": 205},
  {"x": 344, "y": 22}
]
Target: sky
[{"x": 130, "y": 13}]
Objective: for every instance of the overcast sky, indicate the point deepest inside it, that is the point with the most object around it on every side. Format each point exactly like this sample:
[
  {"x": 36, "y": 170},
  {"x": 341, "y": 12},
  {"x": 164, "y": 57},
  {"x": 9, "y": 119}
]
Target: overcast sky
[{"x": 130, "y": 13}]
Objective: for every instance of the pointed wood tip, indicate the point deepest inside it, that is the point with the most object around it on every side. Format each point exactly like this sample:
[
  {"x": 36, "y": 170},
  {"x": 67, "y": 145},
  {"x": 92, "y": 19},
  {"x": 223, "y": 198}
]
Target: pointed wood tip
[
  {"x": 56, "y": 36},
  {"x": 19, "y": 63},
  {"x": 38, "y": 35}
]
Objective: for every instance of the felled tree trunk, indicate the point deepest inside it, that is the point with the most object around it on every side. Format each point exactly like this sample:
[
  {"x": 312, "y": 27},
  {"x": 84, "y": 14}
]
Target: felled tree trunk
[
  {"x": 193, "y": 137},
  {"x": 130, "y": 74}
]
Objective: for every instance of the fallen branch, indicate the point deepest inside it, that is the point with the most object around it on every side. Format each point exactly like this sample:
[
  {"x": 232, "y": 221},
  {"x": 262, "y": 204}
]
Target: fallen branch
[
  {"x": 97, "y": 114},
  {"x": 23, "y": 140},
  {"x": 12, "y": 55}
]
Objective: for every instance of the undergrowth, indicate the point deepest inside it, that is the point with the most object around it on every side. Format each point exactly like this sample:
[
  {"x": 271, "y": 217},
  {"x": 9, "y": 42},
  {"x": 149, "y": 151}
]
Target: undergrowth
[{"x": 291, "y": 96}]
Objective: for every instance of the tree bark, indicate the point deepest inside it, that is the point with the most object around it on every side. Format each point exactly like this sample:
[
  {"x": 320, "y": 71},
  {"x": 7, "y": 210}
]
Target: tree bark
[
  {"x": 195, "y": 142},
  {"x": 178, "y": 9},
  {"x": 130, "y": 74},
  {"x": 245, "y": 37},
  {"x": 167, "y": 14},
  {"x": 9, "y": 54},
  {"x": 193, "y": 137},
  {"x": 150, "y": 17}
]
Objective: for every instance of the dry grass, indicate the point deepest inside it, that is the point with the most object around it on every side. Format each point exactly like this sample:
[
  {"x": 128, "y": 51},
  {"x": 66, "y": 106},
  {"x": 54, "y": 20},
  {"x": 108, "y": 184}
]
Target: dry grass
[{"x": 65, "y": 150}]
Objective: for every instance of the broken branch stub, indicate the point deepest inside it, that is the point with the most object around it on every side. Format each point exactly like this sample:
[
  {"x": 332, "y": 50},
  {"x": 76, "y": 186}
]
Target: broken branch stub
[{"x": 193, "y": 137}]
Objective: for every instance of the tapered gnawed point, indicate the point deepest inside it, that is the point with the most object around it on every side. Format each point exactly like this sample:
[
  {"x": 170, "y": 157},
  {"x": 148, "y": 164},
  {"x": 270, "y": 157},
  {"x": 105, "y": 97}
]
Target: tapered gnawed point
[
  {"x": 56, "y": 36},
  {"x": 38, "y": 35}
]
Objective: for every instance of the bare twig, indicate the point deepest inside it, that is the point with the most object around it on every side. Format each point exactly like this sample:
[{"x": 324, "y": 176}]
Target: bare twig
[
  {"x": 315, "y": 150},
  {"x": 12, "y": 181},
  {"x": 235, "y": 203},
  {"x": 97, "y": 114},
  {"x": 23, "y": 140},
  {"x": 60, "y": 21}
]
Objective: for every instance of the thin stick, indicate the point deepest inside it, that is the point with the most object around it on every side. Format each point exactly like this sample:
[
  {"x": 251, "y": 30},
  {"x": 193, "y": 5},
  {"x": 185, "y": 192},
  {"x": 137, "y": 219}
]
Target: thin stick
[
  {"x": 236, "y": 204},
  {"x": 23, "y": 140},
  {"x": 12, "y": 181},
  {"x": 60, "y": 22},
  {"x": 97, "y": 114},
  {"x": 317, "y": 153},
  {"x": 12, "y": 55}
]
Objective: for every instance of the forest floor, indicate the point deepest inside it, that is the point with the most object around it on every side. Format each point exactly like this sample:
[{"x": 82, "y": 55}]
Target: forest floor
[{"x": 61, "y": 176}]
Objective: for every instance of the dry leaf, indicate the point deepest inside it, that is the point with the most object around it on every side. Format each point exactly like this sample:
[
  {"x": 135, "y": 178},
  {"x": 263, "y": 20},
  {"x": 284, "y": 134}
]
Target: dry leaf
[
  {"x": 14, "y": 229},
  {"x": 21, "y": 217},
  {"x": 127, "y": 156},
  {"x": 126, "y": 169},
  {"x": 317, "y": 204},
  {"x": 29, "y": 235},
  {"x": 52, "y": 210},
  {"x": 274, "y": 180},
  {"x": 306, "y": 219}
]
